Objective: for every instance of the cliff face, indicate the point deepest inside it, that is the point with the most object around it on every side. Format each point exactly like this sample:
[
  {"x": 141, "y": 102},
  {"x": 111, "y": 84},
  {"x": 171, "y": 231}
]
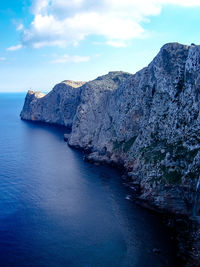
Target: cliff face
[
  {"x": 58, "y": 107},
  {"x": 68, "y": 98},
  {"x": 148, "y": 122},
  {"x": 151, "y": 125}
]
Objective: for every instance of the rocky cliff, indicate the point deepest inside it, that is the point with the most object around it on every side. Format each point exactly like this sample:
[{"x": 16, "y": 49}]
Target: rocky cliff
[
  {"x": 148, "y": 122},
  {"x": 57, "y": 107}
]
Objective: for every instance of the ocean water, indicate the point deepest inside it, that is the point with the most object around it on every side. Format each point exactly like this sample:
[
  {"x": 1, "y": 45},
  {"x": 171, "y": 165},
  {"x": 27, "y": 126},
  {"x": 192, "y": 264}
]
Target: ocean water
[{"x": 57, "y": 210}]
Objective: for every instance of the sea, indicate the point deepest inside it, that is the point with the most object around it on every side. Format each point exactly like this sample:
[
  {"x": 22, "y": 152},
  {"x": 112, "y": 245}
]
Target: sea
[{"x": 58, "y": 210}]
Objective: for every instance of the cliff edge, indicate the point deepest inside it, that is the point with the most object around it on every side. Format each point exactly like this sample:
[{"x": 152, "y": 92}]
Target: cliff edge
[{"x": 148, "y": 123}]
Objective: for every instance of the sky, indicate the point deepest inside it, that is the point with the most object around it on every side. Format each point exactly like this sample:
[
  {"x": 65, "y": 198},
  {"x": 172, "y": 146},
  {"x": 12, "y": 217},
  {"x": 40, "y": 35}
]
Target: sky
[{"x": 44, "y": 42}]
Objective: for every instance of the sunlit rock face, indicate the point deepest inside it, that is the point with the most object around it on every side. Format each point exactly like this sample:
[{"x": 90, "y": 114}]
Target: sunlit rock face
[
  {"x": 68, "y": 98},
  {"x": 92, "y": 113},
  {"x": 148, "y": 122}
]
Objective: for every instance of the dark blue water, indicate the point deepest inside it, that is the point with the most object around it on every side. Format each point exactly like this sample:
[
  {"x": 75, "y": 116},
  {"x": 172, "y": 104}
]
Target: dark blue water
[{"x": 57, "y": 210}]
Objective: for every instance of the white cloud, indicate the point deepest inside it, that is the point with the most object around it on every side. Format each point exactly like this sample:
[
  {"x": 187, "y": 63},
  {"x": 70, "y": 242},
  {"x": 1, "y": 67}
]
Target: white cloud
[
  {"x": 67, "y": 58},
  {"x": 64, "y": 22},
  {"x": 2, "y": 58},
  {"x": 20, "y": 27},
  {"x": 188, "y": 3},
  {"x": 116, "y": 43},
  {"x": 14, "y": 48}
]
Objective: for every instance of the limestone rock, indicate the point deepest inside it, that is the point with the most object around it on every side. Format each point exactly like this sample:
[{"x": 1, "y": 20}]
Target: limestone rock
[
  {"x": 57, "y": 107},
  {"x": 148, "y": 122}
]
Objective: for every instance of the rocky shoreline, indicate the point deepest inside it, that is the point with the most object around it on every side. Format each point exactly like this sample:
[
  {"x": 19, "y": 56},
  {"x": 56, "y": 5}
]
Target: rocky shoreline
[
  {"x": 147, "y": 123},
  {"x": 185, "y": 230}
]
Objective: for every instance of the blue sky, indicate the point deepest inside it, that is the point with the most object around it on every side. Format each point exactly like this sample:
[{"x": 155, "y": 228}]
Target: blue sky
[{"x": 46, "y": 41}]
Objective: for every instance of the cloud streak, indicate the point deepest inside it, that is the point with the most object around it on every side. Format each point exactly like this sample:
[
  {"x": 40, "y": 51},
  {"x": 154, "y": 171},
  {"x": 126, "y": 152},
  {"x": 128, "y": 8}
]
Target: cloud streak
[
  {"x": 14, "y": 47},
  {"x": 73, "y": 59},
  {"x": 67, "y": 22},
  {"x": 20, "y": 27}
]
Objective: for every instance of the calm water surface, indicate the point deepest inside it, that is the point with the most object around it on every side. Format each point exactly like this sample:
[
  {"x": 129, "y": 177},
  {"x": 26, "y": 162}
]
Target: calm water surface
[{"x": 57, "y": 210}]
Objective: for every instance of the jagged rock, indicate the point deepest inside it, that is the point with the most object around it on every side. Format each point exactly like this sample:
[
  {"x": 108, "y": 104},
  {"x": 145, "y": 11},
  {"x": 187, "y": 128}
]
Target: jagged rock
[{"x": 148, "y": 122}]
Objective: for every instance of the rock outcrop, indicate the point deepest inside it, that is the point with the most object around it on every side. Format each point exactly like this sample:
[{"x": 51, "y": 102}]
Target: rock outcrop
[
  {"x": 57, "y": 107},
  {"x": 148, "y": 122},
  {"x": 61, "y": 104}
]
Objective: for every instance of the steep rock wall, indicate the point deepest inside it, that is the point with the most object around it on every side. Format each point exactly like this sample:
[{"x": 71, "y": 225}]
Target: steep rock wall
[
  {"x": 58, "y": 106},
  {"x": 148, "y": 122}
]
